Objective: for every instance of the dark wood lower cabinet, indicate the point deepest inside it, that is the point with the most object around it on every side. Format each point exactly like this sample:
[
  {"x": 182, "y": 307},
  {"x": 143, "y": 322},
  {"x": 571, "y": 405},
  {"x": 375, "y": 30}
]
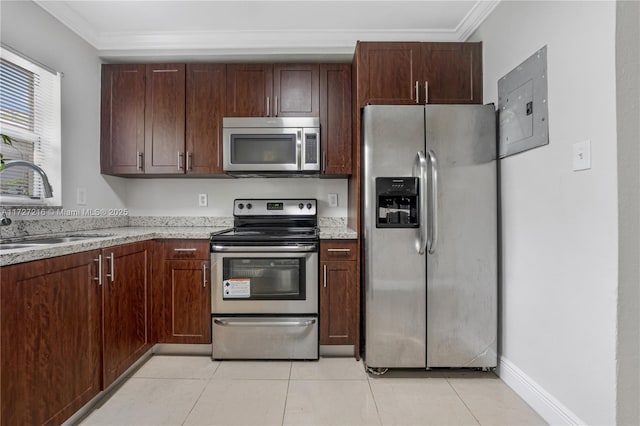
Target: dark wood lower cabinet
[
  {"x": 51, "y": 338},
  {"x": 339, "y": 294},
  {"x": 126, "y": 316},
  {"x": 188, "y": 302},
  {"x": 186, "y": 292}
]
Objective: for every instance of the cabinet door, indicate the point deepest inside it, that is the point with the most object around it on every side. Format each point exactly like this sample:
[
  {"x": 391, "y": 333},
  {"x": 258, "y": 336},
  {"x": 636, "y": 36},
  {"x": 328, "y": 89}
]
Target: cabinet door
[
  {"x": 122, "y": 119},
  {"x": 126, "y": 287},
  {"x": 51, "y": 340},
  {"x": 387, "y": 72},
  {"x": 187, "y": 301},
  {"x": 452, "y": 73},
  {"x": 295, "y": 90},
  {"x": 164, "y": 119},
  {"x": 205, "y": 108},
  {"x": 335, "y": 118},
  {"x": 338, "y": 303},
  {"x": 249, "y": 90}
]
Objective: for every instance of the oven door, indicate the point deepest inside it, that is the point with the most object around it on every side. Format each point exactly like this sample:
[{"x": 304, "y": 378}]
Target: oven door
[{"x": 264, "y": 280}]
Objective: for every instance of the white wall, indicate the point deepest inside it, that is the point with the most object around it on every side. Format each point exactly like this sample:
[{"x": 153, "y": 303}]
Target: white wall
[
  {"x": 33, "y": 32},
  {"x": 628, "y": 100},
  {"x": 559, "y": 227},
  {"x": 179, "y": 197}
]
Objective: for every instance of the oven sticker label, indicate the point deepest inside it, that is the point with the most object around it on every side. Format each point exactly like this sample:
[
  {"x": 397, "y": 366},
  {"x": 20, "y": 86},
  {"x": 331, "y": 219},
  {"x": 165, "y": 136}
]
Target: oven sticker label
[{"x": 236, "y": 288}]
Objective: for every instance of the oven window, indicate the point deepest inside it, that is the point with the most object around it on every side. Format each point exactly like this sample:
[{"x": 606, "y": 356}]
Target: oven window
[
  {"x": 263, "y": 149},
  {"x": 264, "y": 278}
]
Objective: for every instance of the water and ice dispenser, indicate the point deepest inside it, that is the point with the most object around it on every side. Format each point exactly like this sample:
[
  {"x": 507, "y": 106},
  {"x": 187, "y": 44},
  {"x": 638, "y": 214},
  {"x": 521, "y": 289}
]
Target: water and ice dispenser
[{"x": 397, "y": 202}]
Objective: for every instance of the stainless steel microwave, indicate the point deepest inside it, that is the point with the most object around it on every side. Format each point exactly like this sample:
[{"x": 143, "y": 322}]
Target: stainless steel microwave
[{"x": 255, "y": 145}]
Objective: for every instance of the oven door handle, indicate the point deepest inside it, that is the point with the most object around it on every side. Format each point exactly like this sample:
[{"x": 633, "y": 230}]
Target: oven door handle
[
  {"x": 246, "y": 249},
  {"x": 259, "y": 323}
]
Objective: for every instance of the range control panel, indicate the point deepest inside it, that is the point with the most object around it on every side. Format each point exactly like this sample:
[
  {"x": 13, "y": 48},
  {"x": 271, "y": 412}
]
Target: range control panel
[{"x": 275, "y": 207}]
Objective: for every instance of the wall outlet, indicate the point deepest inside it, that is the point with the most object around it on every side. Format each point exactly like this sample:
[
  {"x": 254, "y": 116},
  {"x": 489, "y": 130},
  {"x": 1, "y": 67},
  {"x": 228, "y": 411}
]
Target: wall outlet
[
  {"x": 81, "y": 196},
  {"x": 202, "y": 200},
  {"x": 333, "y": 200},
  {"x": 582, "y": 155}
]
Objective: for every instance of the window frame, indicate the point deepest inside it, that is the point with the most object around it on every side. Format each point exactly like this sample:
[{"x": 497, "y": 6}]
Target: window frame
[{"x": 49, "y": 156}]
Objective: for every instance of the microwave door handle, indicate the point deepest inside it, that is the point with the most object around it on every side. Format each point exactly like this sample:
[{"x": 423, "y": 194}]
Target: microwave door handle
[{"x": 299, "y": 148}]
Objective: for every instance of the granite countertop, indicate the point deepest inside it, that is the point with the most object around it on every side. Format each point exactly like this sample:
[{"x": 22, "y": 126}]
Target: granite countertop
[{"x": 116, "y": 236}]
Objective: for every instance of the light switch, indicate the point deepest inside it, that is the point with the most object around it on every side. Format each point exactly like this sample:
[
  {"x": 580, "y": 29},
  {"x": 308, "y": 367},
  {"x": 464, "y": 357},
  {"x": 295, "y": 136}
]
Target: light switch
[{"x": 582, "y": 155}]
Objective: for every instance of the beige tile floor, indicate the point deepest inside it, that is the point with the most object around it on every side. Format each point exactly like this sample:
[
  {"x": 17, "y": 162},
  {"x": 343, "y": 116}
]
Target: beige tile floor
[{"x": 183, "y": 390}]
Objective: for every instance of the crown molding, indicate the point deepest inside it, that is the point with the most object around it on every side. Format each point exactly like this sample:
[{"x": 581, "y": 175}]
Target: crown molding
[
  {"x": 257, "y": 42},
  {"x": 71, "y": 19},
  {"x": 475, "y": 17}
]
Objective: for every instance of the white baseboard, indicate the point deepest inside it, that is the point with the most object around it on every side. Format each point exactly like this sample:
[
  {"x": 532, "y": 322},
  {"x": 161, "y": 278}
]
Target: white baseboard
[{"x": 545, "y": 404}]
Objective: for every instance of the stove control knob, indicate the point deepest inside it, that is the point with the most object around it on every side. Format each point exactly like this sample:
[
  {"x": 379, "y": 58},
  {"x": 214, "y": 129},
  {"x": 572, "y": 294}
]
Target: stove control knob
[
  {"x": 241, "y": 206},
  {"x": 300, "y": 206},
  {"x": 249, "y": 205},
  {"x": 309, "y": 206}
]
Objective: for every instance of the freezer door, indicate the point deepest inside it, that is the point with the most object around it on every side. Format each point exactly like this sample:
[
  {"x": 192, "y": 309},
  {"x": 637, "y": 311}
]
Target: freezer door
[
  {"x": 395, "y": 271},
  {"x": 462, "y": 241}
]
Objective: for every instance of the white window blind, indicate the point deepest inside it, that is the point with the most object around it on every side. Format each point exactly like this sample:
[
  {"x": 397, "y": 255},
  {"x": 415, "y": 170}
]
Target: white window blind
[{"x": 30, "y": 116}]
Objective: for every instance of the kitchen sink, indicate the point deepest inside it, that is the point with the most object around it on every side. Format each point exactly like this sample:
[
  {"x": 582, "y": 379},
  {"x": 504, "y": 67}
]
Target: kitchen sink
[{"x": 39, "y": 242}]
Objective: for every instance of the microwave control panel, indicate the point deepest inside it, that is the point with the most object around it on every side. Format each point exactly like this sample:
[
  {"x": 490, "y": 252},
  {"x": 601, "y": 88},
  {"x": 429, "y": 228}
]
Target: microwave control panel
[{"x": 311, "y": 148}]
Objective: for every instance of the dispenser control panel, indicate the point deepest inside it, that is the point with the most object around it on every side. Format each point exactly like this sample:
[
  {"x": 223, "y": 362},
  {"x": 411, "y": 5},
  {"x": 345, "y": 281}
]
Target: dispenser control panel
[{"x": 397, "y": 202}]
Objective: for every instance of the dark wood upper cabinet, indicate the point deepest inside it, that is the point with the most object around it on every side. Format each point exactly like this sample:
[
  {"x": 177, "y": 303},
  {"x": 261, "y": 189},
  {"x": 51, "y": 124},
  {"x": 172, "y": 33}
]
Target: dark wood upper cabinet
[
  {"x": 165, "y": 119},
  {"x": 249, "y": 90},
  {"x": 51, "y": 338},
  {"x": 126, "y": 316},
  {"x": 205, "y": 105},
  {"x": 452, "y": 72},
  {"x": 418, "y": 73},
  {"x": 335, "y": 118},
  {"x": 387, "y": 72},
  {"x": 122, "y": 119},
  {"x": 295, "y": 90}
]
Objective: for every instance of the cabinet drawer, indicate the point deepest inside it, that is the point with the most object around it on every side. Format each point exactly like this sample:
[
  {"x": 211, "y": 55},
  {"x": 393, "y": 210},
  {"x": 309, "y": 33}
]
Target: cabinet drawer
[
  {"x": 186, "y": 249},
  {"x": 338, "y": 250}
]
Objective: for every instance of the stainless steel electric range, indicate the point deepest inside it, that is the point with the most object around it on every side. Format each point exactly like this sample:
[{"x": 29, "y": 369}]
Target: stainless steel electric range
[{"x": 264, "y": 293}]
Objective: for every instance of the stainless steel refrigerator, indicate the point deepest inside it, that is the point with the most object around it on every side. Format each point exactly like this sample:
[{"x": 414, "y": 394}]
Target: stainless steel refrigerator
[{"x": 430, "y": 235}]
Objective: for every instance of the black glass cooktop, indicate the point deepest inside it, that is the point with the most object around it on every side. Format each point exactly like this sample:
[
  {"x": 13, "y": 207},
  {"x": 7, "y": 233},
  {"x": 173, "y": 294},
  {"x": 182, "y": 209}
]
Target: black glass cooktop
[{"x": 266, "y": 234}]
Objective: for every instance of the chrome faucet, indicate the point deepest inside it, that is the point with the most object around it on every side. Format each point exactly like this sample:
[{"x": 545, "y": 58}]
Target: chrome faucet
[
  {"x": 5, "y": 221},
  {"x": 48, "y": 191}
]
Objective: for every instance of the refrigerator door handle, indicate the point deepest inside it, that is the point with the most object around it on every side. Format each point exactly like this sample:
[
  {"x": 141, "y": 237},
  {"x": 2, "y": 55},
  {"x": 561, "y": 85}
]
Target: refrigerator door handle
[
  {"x": 420, "y": 171},
  {"x": 433, "y": 214}
]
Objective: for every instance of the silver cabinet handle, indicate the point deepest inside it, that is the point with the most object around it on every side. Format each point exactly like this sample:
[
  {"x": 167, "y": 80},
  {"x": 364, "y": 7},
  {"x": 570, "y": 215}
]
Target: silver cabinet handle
[
  {"x": 325, "y": 274},
  {"x": 188, "y": 161},
  {"x": 299, "y": 148},
  {"x": 275, "y": 110},
  {"x": 112, "y": 267},
  {"x": 419, "y": 171},
  {"x": 343, "y": 250},
  {"x": 267, "y": 249},
  {"x": 433, "y": 240},
  {"x": 179, "y": 160},
  {"x": 417, "y": 92},
  {"x": 426, "y": 92},
  {"x": 204, "y": 275},
  {"x": 268, "y": 102},
  {"x": 185, "y": 249},
  {"x": 260, "y": 323},
  {"x": 99, "y": 277},
  {"x": 324, "y": 161},
  {"x": 139, "y": 160}
]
